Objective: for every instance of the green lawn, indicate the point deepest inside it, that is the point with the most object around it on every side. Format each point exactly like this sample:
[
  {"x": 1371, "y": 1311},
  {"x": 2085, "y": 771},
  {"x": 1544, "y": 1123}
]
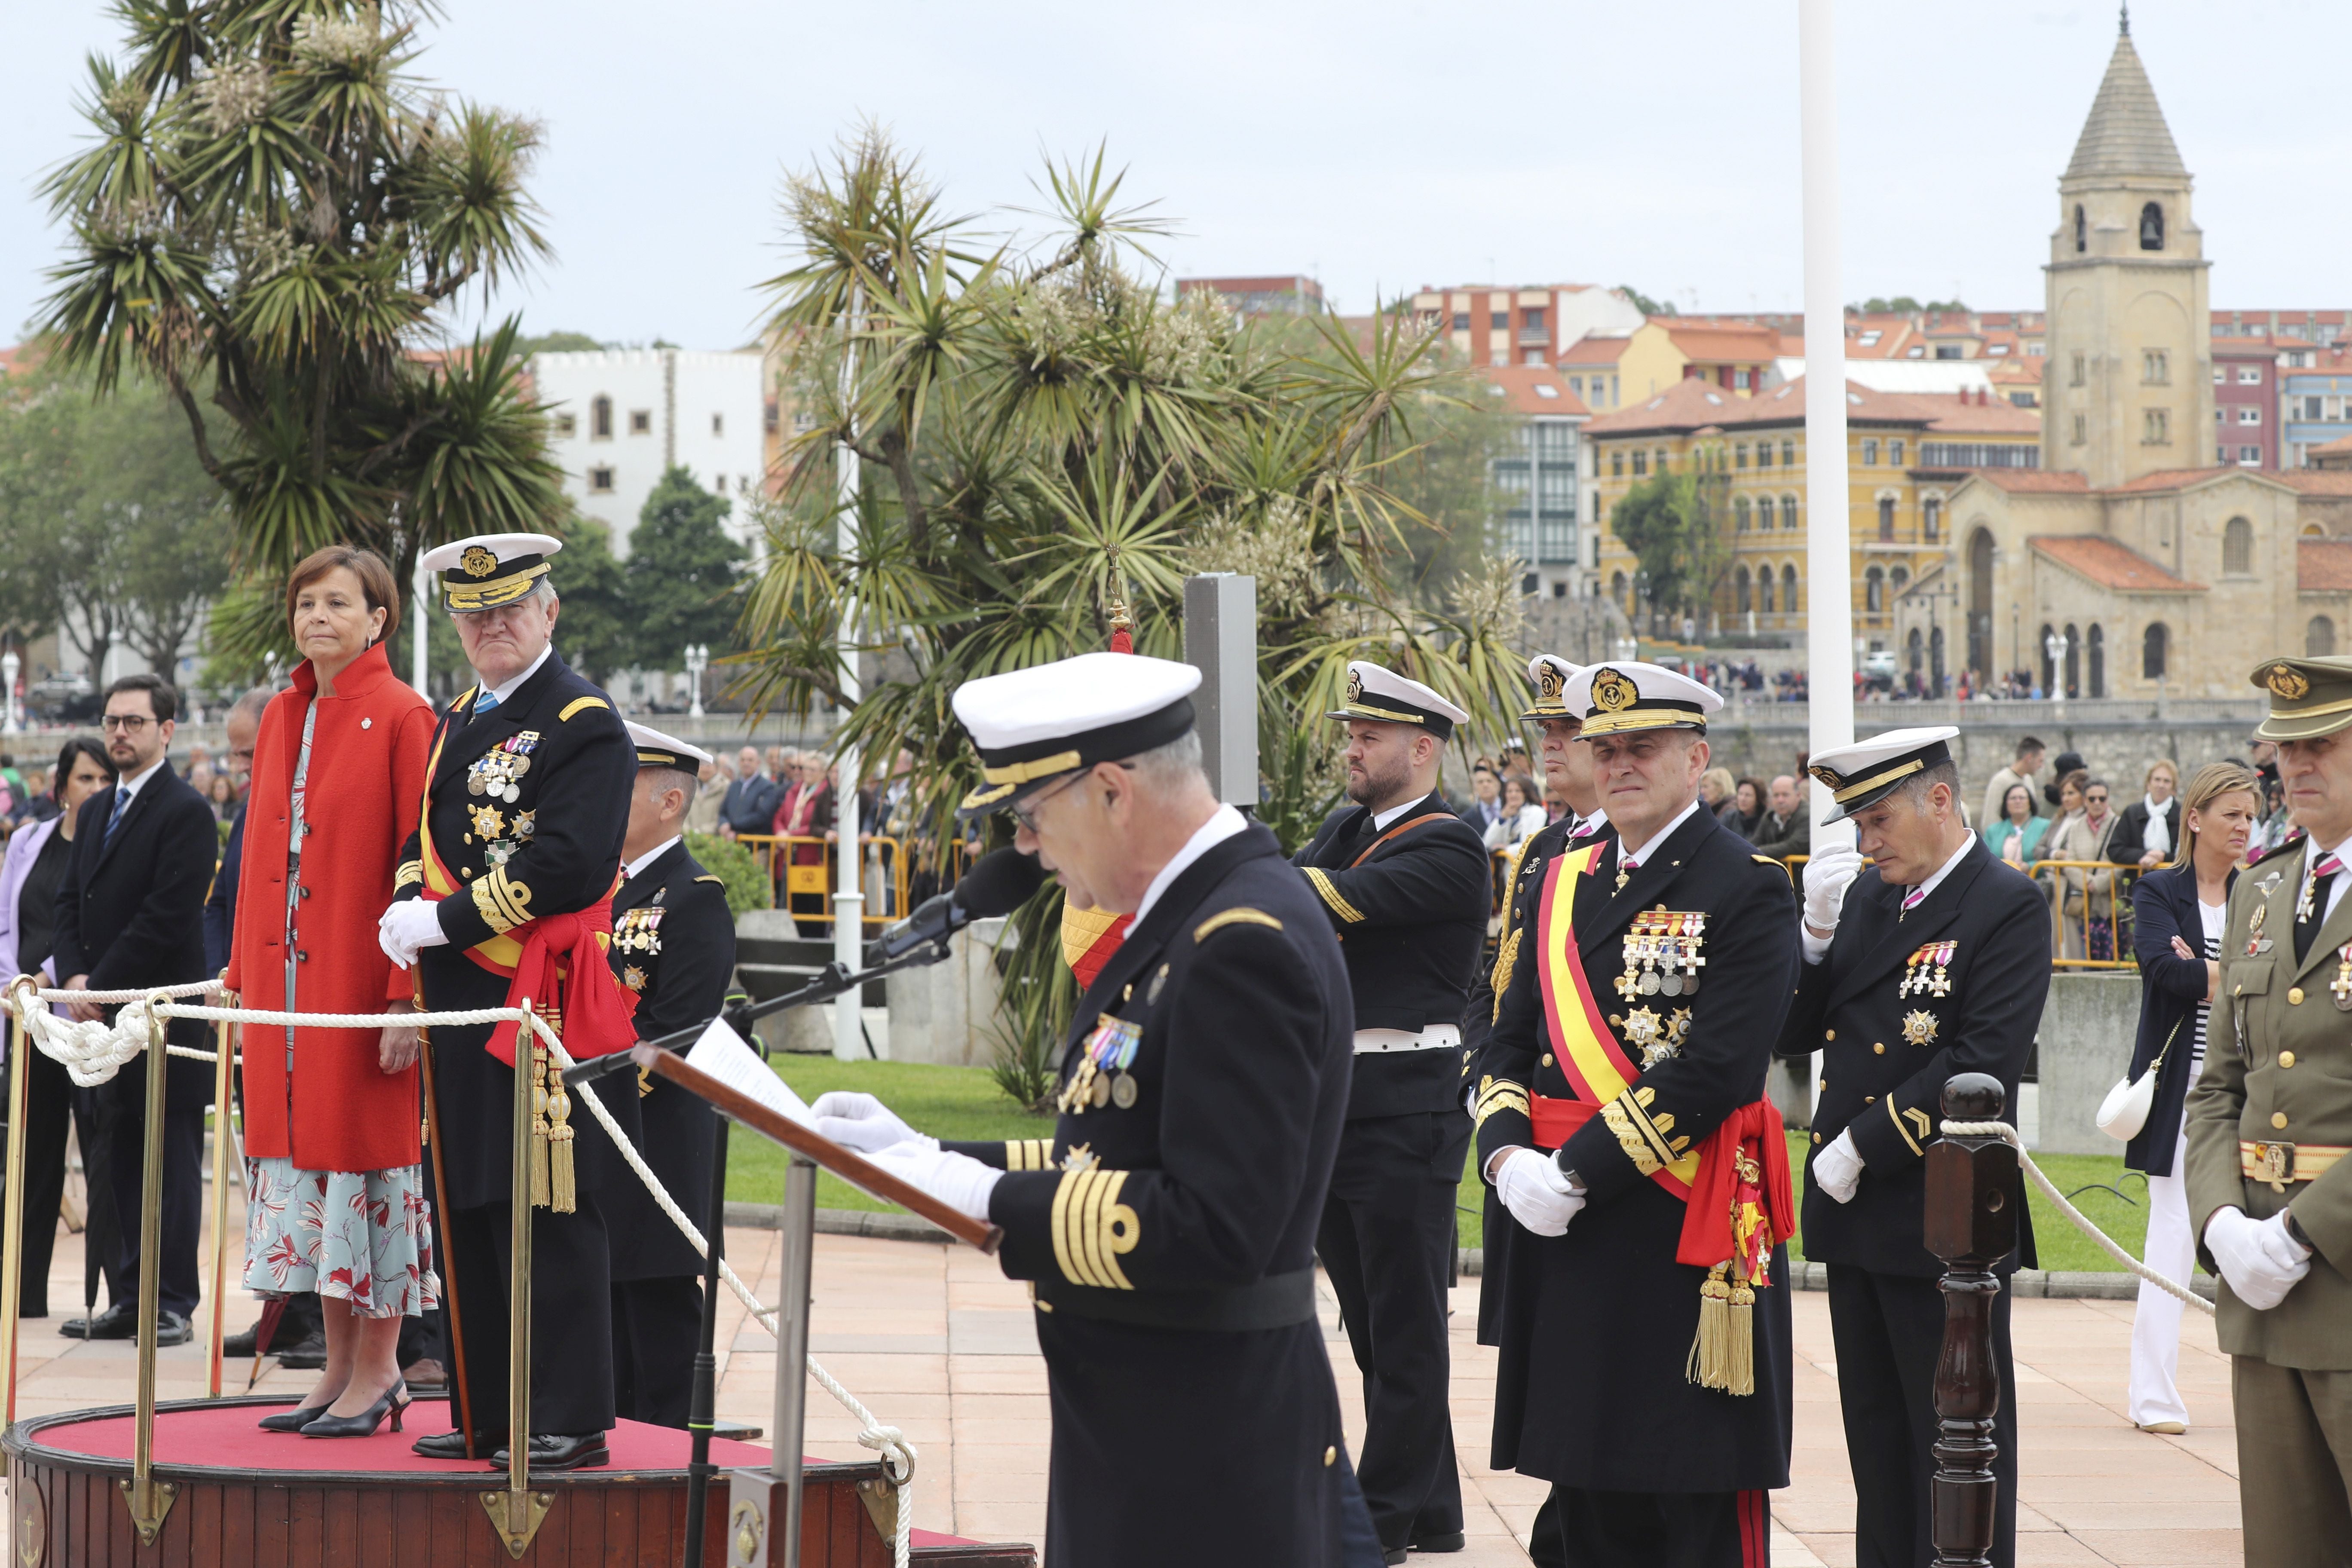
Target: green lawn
[{"x": 964, "y": 1102}]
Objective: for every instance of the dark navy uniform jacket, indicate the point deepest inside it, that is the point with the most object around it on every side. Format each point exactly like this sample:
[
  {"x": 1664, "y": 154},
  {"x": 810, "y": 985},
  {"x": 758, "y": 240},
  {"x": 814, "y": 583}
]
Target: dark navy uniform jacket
[
  {"x": 1171, "y": 1239},
  {"x": 674, "y": 947},
  {"x": 1596, "y": 1324},
  {"x": 1411, "y": 915},
  {"x": 1885, "y": 1057}
]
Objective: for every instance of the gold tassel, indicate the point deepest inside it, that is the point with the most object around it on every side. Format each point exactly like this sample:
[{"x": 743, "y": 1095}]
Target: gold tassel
[
  {"x": 539, "y": 1131},
  {"x": 1739, "y": 1333},
  {"x": 1707, "y": 1364},
  {"x": 564, "y": 1188}
]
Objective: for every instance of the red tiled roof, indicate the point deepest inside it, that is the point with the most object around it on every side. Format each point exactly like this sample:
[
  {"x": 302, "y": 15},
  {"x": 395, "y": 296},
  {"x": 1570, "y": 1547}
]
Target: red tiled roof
[
  {"x": 1722, "y": 341},
  {"x": 1686, "y": 405},
  {"x": 1522, "y": 387},
  {"x": 1957, "y": 415},
  {"x": 2323, "y": 566},
  {"x": 2035, "y": 481},
  {"x": 2176, "y": 480},
  {"x": 2315, "y": 481},
  {"x": 1594, "y": 350},
  {"x": 2341, "y": 444},
  {"x": 2110, "y": 563}
]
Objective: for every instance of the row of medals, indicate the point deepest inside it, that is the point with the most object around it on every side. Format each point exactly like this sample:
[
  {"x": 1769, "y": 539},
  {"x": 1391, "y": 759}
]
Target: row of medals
[
  {"x": 1661, "y": 954},
  {"x": 1102, "y": 1077},
  {"x": 1926, "y": 972},
  {"x": 493, "y": 773}
]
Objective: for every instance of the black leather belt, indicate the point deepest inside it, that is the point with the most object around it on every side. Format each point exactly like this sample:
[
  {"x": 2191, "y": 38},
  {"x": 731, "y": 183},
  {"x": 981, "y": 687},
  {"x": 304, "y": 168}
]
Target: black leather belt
[{"x": 1276, "y": 1302}]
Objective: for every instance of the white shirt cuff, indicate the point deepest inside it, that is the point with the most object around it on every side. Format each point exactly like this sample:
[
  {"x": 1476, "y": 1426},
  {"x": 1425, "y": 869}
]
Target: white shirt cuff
[{"x": 1816, "y": 947}]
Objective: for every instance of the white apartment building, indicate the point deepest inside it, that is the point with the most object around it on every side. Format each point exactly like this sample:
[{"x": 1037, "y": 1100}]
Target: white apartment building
[{"x": 622, "y": 416}]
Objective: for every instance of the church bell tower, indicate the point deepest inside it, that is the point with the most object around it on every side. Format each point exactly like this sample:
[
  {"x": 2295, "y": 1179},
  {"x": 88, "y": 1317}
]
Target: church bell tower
[{"x": 2127, "y": 385}]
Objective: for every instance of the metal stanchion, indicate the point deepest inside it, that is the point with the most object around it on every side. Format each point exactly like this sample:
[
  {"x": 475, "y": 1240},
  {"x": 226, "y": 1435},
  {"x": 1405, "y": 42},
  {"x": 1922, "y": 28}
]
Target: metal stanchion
[
  {"x": 764, "y": 1507},
  {"x": 11, "y": 1216},
  {"x": 222, "y": 1095},
  {"x": 515, "y": 1512},
  {"x": 149, "y": 1499}
]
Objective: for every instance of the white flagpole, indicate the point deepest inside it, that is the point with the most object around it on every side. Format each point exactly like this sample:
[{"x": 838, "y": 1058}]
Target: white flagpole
[
  {"x": 1829, "y": 637},
  {"x": 849, "y": 883}
]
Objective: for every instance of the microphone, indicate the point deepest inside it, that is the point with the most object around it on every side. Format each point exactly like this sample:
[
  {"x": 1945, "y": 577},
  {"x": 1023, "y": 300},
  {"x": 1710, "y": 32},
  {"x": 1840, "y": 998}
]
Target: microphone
[{"x": 999, "y": 882}]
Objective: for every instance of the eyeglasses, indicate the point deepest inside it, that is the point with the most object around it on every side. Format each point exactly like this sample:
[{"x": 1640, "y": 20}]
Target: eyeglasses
[
  {"x": 2096, "y": 799},
  {"x": 1025, "y": 812},
  {"x": 129, "y": 723}
]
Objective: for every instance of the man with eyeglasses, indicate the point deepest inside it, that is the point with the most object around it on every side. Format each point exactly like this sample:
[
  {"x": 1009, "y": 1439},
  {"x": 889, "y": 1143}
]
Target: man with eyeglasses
[
  {"x": 130, "y": 918},
  {"x": 505, "y": 891}
]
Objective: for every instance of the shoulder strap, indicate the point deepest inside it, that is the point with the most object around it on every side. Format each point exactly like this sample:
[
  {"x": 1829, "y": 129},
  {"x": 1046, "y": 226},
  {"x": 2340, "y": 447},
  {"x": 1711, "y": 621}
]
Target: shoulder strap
[{"x": 1401, "y": 827}]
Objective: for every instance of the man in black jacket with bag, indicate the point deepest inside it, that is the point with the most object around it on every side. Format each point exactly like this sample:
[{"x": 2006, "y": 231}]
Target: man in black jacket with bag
[
  {"x": 1404, "y": 883},
  {"x": 131, "y": 918},
  {"x": 1934, "y": 961}
]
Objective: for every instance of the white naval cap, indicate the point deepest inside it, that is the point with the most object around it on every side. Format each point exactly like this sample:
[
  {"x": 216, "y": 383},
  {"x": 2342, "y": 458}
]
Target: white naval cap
[
  {"x": 1860, "y": 775},
  {"x": 489, "y": 569},
  {"x": 1032, "y": 725},
  {"x": 1622, "y": 698},
  {"x": 1383, "y": 697},
  {"x": 656, "y": 750},
  {"x": 1551, "y": 676}
]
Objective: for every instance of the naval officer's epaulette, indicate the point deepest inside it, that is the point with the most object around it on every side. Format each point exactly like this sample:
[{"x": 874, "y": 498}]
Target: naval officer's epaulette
[
  {"x": 720, "y": 880},
  {"x": 1239, "y": 915}
]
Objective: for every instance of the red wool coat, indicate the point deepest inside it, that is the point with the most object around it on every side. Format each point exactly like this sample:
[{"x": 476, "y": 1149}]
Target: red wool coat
[{"x": 339, "y": 1111}]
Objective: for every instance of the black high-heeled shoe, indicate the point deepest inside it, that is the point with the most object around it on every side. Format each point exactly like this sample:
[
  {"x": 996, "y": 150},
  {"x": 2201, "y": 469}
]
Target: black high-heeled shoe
[
  {"x": 294, "y": 1420},
  {"x": 394, "y": 1401}
]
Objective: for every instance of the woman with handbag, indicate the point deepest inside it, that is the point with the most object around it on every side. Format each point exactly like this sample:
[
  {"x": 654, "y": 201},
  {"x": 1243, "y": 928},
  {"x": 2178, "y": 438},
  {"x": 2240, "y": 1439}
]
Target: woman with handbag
[{"x": 2179, "y": 914}]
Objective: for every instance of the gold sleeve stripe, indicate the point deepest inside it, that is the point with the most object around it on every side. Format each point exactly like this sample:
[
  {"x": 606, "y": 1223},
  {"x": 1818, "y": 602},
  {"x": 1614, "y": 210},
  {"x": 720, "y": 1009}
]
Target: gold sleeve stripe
[
  {"x": 1330, "y": 895},
  {"x": 410, "y": 871},
  {"x": 505, "y": 903},
  {"x": 1897, "y": 1118},
  {"x": 1629, "y": 1138},
  {"x": 1652, "y": 1128},
  {"x": 578, "y": 704},
  {"x": 1091, "y": 1227},
  {"x": 1505, "y": 961},
  {"x": 1234, "y": 917},
  {"x": 1028, "y": 1153},
  {"x": 1509, "y": 1101}
]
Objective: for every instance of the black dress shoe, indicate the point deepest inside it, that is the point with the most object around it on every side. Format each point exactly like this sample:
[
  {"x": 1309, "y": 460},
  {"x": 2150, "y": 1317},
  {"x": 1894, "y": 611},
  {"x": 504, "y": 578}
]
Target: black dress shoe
[
  {"x": 1390, "y": 1555},
  {"x": 1451, "y": 1541},
  {"x": 119, "y": 1322},
  {"x": 170, "y": 1328},
  {"x": 557, "y": 1451},
  {"x": 306, "y": 1354},
  {"x": 363, "y": 1424},
  {"x": 240, "y": 1344},
  {"x": 292, "y": 1420},
  {"x": 451, "y": 1445}
]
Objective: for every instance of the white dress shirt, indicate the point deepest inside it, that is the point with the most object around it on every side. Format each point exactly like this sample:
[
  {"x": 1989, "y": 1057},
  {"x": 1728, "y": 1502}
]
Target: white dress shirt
[
  {"x": 1631, "y": 855},
  {"x": 650, "y": 856},
  {"x": 1223, "y": 825},
  {"x": 501, "y": 692}
]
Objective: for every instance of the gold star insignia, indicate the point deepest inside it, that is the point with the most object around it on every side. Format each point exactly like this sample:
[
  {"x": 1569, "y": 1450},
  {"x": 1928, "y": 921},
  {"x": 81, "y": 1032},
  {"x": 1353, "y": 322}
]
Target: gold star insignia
[
  {"x": 1919, "y": 1028},
  {"x": 633, "y": 978},
  {"x": 488, "y": 822},
  {"x": 1643, "y": 1026},
  {"x": 526, "y": 822},
  {"x": 1079, "y": 1157}
]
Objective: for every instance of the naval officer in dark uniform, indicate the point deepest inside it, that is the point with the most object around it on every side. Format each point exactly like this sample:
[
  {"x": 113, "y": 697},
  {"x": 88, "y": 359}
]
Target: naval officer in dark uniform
[
  {"x": 1568, "y": 773},
  {"x": 1404, "y": 883},
  {"x": 1167, "y": 1227},
  {"x": 674, "y": 949},
  {"x": 1935, "y": 961},
  {"x": 510, "y": 877},
  {"x": 1644, "y": 1332}
]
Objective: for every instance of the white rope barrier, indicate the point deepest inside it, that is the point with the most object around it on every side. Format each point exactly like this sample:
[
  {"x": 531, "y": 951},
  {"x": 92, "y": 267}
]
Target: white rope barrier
[
  {"x": 2083, "y": 1222},
  {"x": 93, "y": 1051}
]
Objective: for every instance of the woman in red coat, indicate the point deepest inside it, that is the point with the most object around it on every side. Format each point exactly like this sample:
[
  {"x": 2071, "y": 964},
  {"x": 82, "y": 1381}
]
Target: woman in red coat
[{"x": 336, "y": 1199}]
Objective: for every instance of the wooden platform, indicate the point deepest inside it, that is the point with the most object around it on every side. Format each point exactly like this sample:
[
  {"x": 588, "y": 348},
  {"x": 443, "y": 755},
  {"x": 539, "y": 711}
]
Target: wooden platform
[{"x": 281, "y": 1500}]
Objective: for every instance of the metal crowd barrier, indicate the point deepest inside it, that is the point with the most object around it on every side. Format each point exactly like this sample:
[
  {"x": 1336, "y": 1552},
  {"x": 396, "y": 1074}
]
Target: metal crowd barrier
[
  {"x": 817, "y": 880},
  {"x": 2117, "y": 897}
]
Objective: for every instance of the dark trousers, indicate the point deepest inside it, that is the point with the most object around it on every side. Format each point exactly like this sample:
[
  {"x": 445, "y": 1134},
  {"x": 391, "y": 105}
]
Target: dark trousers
[
  {"x": 1658, "y": 1530},
  {"x": 184, "y": 1196},
  {"x": 53, "y": 1103},
  {"x": 1387, "y": 1225},
  {"x": 1888, "y": 1330},
  {"x": 656, "y": 1331},
  {"x": 571, "y": 1316}
]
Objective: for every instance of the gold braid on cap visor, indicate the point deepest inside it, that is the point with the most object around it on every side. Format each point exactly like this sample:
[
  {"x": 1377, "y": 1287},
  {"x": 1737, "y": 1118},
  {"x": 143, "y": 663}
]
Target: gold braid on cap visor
[
  {"x": 461, "y": 597},
  {"x": 1842, "y": 789},
  {"x": 1637, "y": 717}
]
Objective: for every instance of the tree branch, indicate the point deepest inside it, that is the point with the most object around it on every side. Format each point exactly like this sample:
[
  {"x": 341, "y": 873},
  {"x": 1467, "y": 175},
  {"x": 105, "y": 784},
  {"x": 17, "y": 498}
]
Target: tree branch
[{"x": 188, "y": 401}]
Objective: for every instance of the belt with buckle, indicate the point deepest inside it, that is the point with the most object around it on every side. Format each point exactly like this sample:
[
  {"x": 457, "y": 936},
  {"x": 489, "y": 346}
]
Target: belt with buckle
[
  {"x": 1437, "y": 1037},
  {"x": 2268, "y": 1160}
]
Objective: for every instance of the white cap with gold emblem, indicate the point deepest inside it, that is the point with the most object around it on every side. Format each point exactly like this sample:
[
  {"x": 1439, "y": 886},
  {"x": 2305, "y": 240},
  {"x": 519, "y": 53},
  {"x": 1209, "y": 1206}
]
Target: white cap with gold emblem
[
  {"x": 1552, "y": 676},
  {"x": 656, "y": 750},
  {"x": 1622, "y": 698},
  {"x": 1383, "y": 697},
  {"x": 489, "y": 569},
  {"x": 1860, "y": 775},
  {"x": 1030, "y": 726}
]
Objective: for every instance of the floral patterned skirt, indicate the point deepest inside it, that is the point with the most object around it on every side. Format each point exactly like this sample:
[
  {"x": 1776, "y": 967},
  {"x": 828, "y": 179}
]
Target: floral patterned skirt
[{"x": 363, "y": 1236}]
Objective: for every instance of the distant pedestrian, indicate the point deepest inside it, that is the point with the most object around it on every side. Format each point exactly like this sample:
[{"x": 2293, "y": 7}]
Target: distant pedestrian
[
  {"x": 1745, "y": 810},
  {"x": 2152, "y": 822},
  {"x": 1785, "y": 830},
  {"x": 2016, "y": 833},
  {"x": 2026, "y": 764},
  {"x": 750, "y": 802}
]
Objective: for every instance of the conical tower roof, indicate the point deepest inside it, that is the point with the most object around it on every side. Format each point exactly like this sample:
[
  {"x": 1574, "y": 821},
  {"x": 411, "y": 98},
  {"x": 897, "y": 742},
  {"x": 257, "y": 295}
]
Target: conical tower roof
[{"x": 2126, "y": 133}]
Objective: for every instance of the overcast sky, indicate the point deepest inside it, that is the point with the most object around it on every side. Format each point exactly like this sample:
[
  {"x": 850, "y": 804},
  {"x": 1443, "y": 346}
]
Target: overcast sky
[{"x": 1377, "y": 145}]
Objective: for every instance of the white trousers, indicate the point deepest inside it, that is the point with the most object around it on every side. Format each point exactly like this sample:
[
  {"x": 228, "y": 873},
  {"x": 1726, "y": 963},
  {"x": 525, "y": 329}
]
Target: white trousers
[{"x": 2171, "y": 1251}]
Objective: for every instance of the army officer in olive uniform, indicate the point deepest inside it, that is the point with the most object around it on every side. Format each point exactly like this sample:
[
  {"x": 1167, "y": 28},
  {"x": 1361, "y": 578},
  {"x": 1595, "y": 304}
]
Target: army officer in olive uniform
[
  {"x": 2270, "y": 1124},
  {"x": 527, "y": 799},
  {"x": 1167, "y": 1227},
  {"x": 674, "y": 949},
  {"x": 1405, "y": 883},
  {"x": 1935, "y": 961},
  {"x": 1645, "y": 1333}
]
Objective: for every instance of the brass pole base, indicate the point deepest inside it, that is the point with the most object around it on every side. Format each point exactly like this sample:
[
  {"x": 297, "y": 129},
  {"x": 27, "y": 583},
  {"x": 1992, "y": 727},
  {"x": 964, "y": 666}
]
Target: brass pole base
[
  {"x": 516, "y": 1516},
  {"x": 149, "y": 1521}
]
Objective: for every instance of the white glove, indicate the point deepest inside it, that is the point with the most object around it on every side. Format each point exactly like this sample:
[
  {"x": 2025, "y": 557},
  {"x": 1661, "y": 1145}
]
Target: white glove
[
  {"x": 862, "y": 1122},
  {"x": 1533, "y": 1187},
  {"x": 1828, "y": 875},
  {"x": 957, "y": 1180},
  {"x": 2260, "y": 1261},
  {"x": 1837, "y": 1169},
  {"x": 408, "y": 929}
]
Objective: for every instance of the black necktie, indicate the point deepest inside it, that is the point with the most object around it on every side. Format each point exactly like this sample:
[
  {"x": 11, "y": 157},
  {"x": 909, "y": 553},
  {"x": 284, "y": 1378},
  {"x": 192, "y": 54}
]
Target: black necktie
[{"x": 2311, "y": 910}]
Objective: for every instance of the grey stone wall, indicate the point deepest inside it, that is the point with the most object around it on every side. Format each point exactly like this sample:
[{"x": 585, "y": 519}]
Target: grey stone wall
[{"x": 2087, "y": 1028}]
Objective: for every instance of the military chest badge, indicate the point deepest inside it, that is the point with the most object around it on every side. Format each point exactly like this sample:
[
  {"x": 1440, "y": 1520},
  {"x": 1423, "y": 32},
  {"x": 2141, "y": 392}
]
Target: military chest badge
[
  {"x": 486, "y": 821},
  {"x": 526, "y": 822},
  {"x": 2256, "y": 942},
  {"x": 1104, "y": 1058},
  {"x": 1919, "y": 1026},
  {"x": 1661, "y": 954},
  {"x": 632, "y": 977},
  {"x": 477, "y": 562},
  {"x": 2341, "y": 986},
  {"x": 1927, "y": 972},
  {"x": 639, "y": 931},
  {"x": 1657, "y": 1038}
]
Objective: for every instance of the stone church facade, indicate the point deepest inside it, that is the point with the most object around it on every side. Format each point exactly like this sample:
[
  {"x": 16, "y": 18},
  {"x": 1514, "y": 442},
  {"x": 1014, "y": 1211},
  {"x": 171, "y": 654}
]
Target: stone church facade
[{"x": 2163, "y": 572}]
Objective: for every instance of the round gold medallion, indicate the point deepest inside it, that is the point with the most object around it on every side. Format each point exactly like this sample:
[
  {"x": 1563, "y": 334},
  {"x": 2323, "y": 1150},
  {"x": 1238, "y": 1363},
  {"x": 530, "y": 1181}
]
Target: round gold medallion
[{"x": 1123, "y": 1091}]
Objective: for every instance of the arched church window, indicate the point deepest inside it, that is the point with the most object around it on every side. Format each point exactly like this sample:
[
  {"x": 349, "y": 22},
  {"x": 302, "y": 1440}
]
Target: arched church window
[
  {"x": 1788, "y": 514},
  {"x": 2041, "y": 647},
  {"x": 1873, "y": 591},
  {"x": 2081, "y": 230},
  {"x": 1789, "y": 589},
  {"x": 1917, "y": 648},
  {"x": 2155, "y": 647},
  {"x": 1617, "y": 591},
  {"x": 2151, "y": 226},
  {"x": 1886, "y": 519},
  {"x": 2098, "y": 655},
  {"x": 1744, "y": 589},
  {"x": 2238, "y": 547},
  {"x": 1897, "y": 580},
  {"x": 1740, "y": 513},
  {"x": 2319, "y": 638},
  {"x": 1931, "y": 518}
]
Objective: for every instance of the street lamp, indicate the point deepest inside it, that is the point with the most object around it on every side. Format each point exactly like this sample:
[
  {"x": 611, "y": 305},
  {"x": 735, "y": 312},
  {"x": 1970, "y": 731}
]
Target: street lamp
[
  {"x": 9, "y": 665},
  {"x": 2054, "y": 645},
  {"x": 698, "y": 659}
]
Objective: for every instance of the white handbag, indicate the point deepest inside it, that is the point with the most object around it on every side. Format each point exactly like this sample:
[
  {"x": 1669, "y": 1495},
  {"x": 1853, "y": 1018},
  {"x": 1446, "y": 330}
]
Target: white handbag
[{"x": 2124, "y": 1110}]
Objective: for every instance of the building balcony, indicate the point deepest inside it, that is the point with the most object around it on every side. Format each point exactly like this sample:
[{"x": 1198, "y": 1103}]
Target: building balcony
[{"x": 1535, "y": 337}]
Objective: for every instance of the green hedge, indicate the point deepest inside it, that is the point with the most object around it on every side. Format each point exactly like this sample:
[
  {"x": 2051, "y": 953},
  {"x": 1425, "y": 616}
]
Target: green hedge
[{"x": 747, "y": 885}]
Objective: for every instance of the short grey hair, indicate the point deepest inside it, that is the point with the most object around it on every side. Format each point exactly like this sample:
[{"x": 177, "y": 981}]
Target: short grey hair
[
  {"x": 1173, "y": 766},
  {"x": 1917, "y": 787},
  {"x": 253, "y": 702},
  {"x": 674, "y": 778}
]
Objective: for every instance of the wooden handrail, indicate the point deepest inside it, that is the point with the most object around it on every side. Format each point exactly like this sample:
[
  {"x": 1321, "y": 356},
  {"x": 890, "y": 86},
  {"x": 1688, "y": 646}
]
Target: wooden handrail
[{"x": 846, "y": 1163}]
